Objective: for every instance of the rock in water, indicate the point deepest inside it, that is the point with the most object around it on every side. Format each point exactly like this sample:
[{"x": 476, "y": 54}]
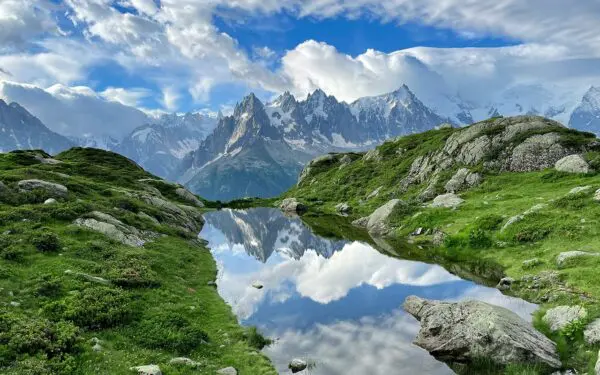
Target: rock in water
[
  {"x": 470, "y": 330},
  {"x": 559, "y": 317},
  {"x": 291, "y": 205},
  {"x": 378, "y": 220},
  {"x": 449, "y": 200},
  {"x": 572, "y": 164},
  {"x": 297, "y": 365},
  {"x": 147, "y": 370}
]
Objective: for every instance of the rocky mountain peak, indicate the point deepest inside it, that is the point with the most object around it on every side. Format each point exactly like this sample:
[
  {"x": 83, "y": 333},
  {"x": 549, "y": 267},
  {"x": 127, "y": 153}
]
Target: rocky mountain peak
[{"x": 249, "y": 105}]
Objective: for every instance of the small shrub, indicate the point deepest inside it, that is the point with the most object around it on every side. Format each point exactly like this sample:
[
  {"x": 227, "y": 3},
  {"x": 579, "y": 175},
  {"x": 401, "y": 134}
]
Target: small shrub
[
  {"x": 255, "y": 339},
  {"x": 46, "y": 242},
  {"x": 489, "y": 222},
  {"x": 170, "y": 330},
  {"x": 48, "y": 286},
  {"x": 133, "y": 271},
  {"x": 127, "y": 204},
  {"x": 456, "y": 242},
  {"x": 96, "y": 307},
  {"x": 532, "y": 234},
  {"x": 479, "y": 239},
  {"x": 12, "y": 253}
]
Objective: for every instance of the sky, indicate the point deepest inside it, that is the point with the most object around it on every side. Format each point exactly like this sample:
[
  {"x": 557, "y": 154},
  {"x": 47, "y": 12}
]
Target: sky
[{"x": 107, "y": 60}]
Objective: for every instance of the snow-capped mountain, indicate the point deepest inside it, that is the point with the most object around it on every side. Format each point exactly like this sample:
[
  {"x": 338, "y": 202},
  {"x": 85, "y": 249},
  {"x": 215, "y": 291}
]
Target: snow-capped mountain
[
  {"x": 105, "y": 142},
  {"x": 19, "y": 129},
  {"x": 587, "y": 115},
  {"x": 263, "y": 231},
  {"x": 261, "y": 149},
  {"x": 160, "y": 145}
]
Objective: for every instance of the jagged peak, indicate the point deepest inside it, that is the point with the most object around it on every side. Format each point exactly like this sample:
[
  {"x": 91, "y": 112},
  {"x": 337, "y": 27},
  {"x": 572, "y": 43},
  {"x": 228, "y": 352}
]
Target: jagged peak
[{"x": 249, "y": 105}]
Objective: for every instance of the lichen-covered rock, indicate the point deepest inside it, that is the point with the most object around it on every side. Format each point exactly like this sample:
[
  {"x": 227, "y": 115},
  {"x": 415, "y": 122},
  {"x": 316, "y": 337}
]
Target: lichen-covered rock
[
  {"x": 564, "y": 257},
  {"x": 559, "y": 317},
  {"x": 147, "y": 370},
  {"x": 537, "y": 152},
  {"x": 449, "y": 200},
  {"x": 591, "y": 334},
  {"x": 115, "y": 229},
  {"x": 56, "y": 190},
  {"x": 291, "y": 205},
  {"x": 470, "y": 330},
  {"x": 572, "y": 164},
  {"x": 188, "y": 196},
  {"x": 462, "y": 179},
  {"x": 378, "y": 223}
]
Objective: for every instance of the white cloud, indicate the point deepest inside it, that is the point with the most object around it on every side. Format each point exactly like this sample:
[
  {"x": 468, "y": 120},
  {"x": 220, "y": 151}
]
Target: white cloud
[
  {"x": 74, "y": 111},
  {"x": 130, "y": 97},
  {"x": 21, "y": 20}
]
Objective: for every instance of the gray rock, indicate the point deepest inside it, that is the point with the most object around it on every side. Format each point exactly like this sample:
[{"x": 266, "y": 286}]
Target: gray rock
[
  {"x": 15, "y": 303},
  {"x": 515, "y": 219},
  {"x": 50, "y": 201},
  {"x": 85, "y": 276},
  {"x": 297, "y": 365},
  {"x": 184, "y": 361},
  {"x": 505, "y": 283},
  {"x": 189, "y": 197},
  {"x": 597, "y": 195},
  {"x": 343, "y": 208},
  {"x": 591, "y": 334},
  {"x": 227, "y": 371},
  {"x": 378, "y": 220},
  {"x": 439, "y": 238},
  {"x": 372, "y": 155},
  {"x": 184, "y": 217},
  {"x": 572, "y": 164},
  {"x": 449, "y": 200},
  {"x": 291, "y": 205},
  {"x": 374, "y": 193},
  {"x": 536, "y": 153},
  {"x": 115, "y": 229},
  {"x": 469, "y": 330},
  {"x": 345, "y": 160},
  {"x": 444, "y": 125},
  {"x": 44, "y": 160},
  {"x": 457, "y": 182},
  {"x": 57, "y": 190},
  {"x": 257, "y": 285},
  {"x": 361, "y": 223},
  {"x": 97, "y": 348},
  {"x": 147, "y": 370},
  {"x": 579, "y": 189},
  {"x": 559, "y": 317},
  {"x": 563, "y": 257}
]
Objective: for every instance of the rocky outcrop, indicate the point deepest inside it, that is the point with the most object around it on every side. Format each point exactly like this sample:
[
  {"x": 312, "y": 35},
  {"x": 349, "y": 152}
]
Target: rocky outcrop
[
  {"x": 449, "y": 200},
  {"x": 320, "y": 161},
  {"x": 463, "y": 179},
  {"x": 559, "y": 317},
  {"x": 147, "y": 370},
  {"x": 184, "y": 361},
  {"x": 189, "y": 197},
  {"x": 591, "y": 334},
  {"x": 291, "y": 205},
  {"x": 184, "y": 217},
  {"x": 566, "y": 256},
  {"x": 378, "y": 222},
  {"x": 470, "y": 330},
  {"x": 572, "y": 164},
  {"x": 56, "y": 190},
  {"x": 115, "y": 229}
]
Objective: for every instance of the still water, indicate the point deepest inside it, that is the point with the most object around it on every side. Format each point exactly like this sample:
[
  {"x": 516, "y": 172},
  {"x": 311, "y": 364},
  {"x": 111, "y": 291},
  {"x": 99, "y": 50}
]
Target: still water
[{"x": 334, "y": 303}]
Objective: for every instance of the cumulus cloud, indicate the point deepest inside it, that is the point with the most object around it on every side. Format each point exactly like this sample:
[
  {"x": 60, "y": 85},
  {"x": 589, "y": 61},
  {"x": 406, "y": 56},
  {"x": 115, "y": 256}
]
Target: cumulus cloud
[
  {"x": 74, "y": 111},
  {"x": 21, "y": 20}
]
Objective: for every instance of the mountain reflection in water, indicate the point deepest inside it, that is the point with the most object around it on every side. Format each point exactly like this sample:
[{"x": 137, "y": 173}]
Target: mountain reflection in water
[{"x": 337, "y": 303}]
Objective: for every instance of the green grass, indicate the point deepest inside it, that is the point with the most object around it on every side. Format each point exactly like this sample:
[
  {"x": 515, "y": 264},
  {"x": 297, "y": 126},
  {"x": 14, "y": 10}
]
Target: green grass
[
  {"x": 156, "y": 305},
  {"x": 476, "y": 247}
]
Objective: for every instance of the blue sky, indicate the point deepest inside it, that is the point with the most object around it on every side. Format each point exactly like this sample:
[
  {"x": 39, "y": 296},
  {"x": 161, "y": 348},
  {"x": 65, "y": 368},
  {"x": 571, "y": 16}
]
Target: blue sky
[{"x": 183, "y": 55}]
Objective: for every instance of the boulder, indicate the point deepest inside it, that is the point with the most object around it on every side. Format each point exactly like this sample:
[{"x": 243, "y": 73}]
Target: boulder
[
  {"x": 56, "y": 190},
  {"x": 361, "y": 223},
  {"x": 462, "y": 179},
  {"x": 449, "y": 200},
  {"x": 291, "y": 205},
  {"x": 559, "y": 317},
  {"x": 115, "y": 229},
  {"x": 470, "y": 330},
  {"x": 591, "y": 334},
  {"x": 374, "y": 193},
  {"x": 97, "y": 348},
  {"x": 564, "y": 257},
  {"x": 572, "y": 164},
  {"x": 184, "y": 361},
  {"x": 579, "y": 189},
  {"x": 378, "y": 220},
  {"x": 597, "y": 195},
  {"x": 439, "y": 238},
  {"x": 530, "y": 263},
  {"x": 537, "y": 152},
  {"x": 184, "y": 217},
  {"x": 505, "y": 283},
  {"x": 343, "y": 208},
  {"x": 50, "y": 201},
  {"x": 297, "y": 365},
  {"x": 147, "y": 370},
  {"x": 189, "y": 197},
  {"x": 85, "y": 276},
  {"x": 227, "y": 371}
]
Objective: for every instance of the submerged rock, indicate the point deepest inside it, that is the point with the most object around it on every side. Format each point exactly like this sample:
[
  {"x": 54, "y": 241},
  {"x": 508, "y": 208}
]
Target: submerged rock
[
  {"x": 559, "y": 317},
  {"x": 291, "y": 205},
  {"x": 470, "y": 330},
  {"x": 572, "y": 164},
  {"x": 297, "y": 365}
]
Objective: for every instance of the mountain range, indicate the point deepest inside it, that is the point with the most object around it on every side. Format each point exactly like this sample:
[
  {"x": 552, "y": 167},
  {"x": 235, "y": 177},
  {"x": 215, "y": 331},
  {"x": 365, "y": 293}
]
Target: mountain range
[{"x": 260, "y": 148}]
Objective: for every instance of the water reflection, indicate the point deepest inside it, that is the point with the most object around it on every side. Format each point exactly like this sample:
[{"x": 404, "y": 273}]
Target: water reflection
[{"x": 334, "y": 302}]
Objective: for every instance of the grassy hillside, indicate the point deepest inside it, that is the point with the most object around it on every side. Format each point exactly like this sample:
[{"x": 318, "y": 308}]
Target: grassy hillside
[
  {"x": 66, "y": 287},
  {"x": 560, "y": 221}
]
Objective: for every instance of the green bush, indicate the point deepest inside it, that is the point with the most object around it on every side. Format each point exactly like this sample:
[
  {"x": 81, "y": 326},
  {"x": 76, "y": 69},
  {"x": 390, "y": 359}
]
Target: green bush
[
  {"x": 46, "y": 242},
  {"x": 479, "y": 239},
  {"x": 127, "y": 204},
  {"x": 48, "y": 286},
  {"x": 169, "y": 330},
  {"x": 255, "y": 339},
  {"x": 96, "y": 307},
  {"x": 31, "y": 335},
  {"x": 132, "y": 271},
  {"x": 532, "y": 234},
  {"x": 489, "y": 222}
]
